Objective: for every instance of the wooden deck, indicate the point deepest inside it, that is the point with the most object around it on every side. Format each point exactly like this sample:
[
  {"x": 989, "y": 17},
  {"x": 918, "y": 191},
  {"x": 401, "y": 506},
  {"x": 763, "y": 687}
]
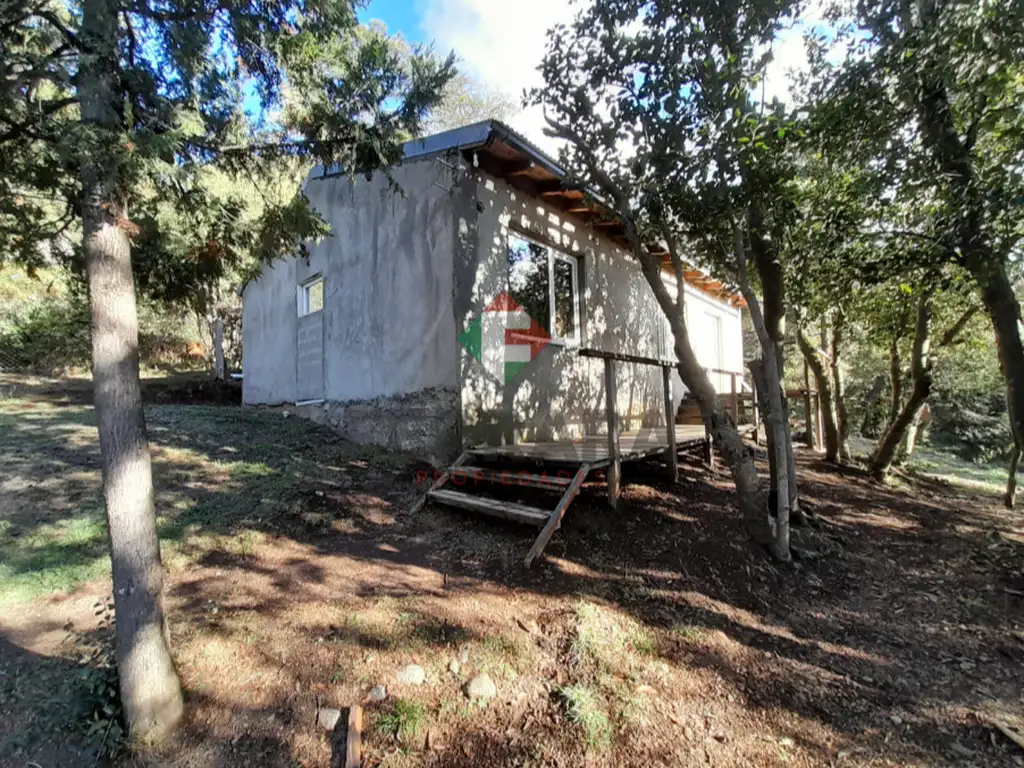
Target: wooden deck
[{"x": 594, "y": 450}]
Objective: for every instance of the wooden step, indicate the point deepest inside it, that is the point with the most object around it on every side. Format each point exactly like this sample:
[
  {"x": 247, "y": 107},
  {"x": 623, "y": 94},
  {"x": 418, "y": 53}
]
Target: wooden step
[
  {"x": 508, "y": 510},
  {"x": 468, "y": 476}
]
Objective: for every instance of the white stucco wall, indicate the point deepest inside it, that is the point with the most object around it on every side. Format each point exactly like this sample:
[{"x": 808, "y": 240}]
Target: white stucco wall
[{"x": 561, "y": 394}]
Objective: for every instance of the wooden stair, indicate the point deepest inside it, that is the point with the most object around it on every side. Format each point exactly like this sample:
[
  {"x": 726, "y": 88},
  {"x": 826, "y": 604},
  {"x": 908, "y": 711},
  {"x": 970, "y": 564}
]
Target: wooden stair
[{"x": 548, "y": 520}]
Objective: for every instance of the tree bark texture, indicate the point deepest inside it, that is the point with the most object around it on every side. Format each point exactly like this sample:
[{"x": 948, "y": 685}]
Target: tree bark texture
[
  {"x": 150, "y": 690},
  {"x": 839, "y": 386},
  {"x": 773, "y": 290},
  {"x": 895, "y": 382},
  {"x": 1010, "y": 497},
  {"x": 822, "y": 380},
  {"x": 734, "y": 452},
  {"x": 921, "y": 376}
]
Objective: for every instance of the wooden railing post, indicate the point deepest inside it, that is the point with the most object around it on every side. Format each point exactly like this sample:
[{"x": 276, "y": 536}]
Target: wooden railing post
[
  {"x": 671, "y": 454},
  {"x": 615, "y": 465},
  {"x": 757, "y": 413},
  {"x": 807, "y": 407},
  {"x": 735, "y": 400}
]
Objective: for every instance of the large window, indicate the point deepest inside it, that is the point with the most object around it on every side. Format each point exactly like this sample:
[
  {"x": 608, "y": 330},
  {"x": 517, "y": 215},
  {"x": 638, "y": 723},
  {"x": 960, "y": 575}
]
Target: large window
[
  {"x": 545, "y": 282},
  {"x": 311, "y": 296}
]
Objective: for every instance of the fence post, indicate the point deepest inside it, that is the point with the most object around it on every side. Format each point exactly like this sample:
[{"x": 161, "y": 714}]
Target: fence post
[
  {"x": 218, "y": 349},
  {"x": 615, "y": 466},
  {"x": 671, "y": 453}
]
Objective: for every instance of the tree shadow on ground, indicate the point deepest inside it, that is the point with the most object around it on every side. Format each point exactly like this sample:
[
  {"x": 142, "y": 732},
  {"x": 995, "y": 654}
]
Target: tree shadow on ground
[{"x": 899, "y": 639}]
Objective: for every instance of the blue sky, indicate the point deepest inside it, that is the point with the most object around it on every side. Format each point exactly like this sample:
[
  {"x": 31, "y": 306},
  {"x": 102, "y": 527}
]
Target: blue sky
[{"x": 401, "y": 16}]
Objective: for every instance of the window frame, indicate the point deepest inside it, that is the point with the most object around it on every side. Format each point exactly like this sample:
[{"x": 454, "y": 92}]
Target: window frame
[
  {"x": 302, "y": 295},
  {"x": 553, "y": 254}
]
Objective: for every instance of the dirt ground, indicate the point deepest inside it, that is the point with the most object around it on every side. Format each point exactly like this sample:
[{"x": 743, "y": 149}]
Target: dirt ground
[{"x": 655, "y": 635}]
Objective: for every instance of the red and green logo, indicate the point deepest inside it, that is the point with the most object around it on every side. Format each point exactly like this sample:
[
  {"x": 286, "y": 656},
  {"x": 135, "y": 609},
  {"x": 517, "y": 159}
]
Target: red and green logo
[{"x": 504, "y": 338}]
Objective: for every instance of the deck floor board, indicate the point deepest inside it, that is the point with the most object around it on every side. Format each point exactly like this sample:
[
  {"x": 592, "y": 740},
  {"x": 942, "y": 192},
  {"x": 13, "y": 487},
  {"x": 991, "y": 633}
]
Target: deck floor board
[{"x": 593, "y": 449}]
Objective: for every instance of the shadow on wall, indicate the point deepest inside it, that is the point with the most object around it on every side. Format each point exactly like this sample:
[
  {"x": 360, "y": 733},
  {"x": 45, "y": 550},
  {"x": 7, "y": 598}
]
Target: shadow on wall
[{"x": 558, "y": 395}]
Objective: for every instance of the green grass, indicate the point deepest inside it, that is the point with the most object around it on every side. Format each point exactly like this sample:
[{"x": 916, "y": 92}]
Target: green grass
[
  {"x": 612, "y": 642},
  {"x": 223, "y": 477},
  {"x": 403, "y": 722},
  {"x": 584, "y": 707},
  {"x": 689, "y": 632}
]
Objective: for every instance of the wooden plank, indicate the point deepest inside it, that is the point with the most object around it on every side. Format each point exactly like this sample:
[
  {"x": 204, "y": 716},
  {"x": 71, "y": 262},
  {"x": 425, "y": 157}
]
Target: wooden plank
[
  {"x": 615, "y": 467},
  {"x": 735, "y": 400},
  {"x": 671, "y": 453},
  {"x": 556, "y": 517},
  {"x": 625, "y": 358},
  {"x": 353, "y": 742},
  {"x": 507, "y": 510},
  {"x": 570, "y": 194},
  {"x": 521, "y": 479}
]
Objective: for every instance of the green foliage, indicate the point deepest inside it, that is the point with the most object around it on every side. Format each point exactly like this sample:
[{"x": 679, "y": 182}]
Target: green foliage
[
  {"x": 403, "y": 722},
  {"x": 585, "y": 708},
  {"x": 208, "y": 186},
  {"x": 97, "y": 703}
]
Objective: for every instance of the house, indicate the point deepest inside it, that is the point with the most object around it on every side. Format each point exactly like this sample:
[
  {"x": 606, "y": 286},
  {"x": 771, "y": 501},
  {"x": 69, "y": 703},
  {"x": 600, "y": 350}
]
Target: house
[{"x": 453, "y": 311}]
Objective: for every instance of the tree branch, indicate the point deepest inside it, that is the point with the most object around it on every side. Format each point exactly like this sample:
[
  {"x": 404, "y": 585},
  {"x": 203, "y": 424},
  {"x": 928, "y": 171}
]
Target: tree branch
[
  {"x": 56, "y": 23},
  {"x": 21, "y": 129},
  {"x": 950, "y": 337}
]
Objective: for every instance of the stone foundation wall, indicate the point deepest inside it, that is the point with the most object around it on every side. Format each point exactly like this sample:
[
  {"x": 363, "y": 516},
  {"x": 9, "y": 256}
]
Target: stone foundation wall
[{"x": 425, "y": 423}]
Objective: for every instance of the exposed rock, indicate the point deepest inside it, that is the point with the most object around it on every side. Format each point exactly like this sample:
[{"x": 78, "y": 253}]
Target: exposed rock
[
  {"x": 454, "y": 667},
  {"x": 481, "y": 687},
  {"x": 327, "y": 718},
  {"x": 378, "y": 693},
  {"x": 464, "y": 656},
  {"x": 411, "y": 675}
]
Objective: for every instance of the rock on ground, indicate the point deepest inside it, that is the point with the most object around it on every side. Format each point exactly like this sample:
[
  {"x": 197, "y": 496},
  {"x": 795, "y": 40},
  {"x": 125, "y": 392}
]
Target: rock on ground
[
  {"x": 411, "y": 675},
  {"x": 481, "y": 687}
]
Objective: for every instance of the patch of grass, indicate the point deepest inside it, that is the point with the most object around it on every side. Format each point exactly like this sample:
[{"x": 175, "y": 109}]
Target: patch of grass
[
  {"x": 608, "y": 640},
  {"x": 52, "y": 557},
  {"x": 583, "y": 706},
  {"x": 403, "y": 722},
  {"x": 689, "y": 632}
]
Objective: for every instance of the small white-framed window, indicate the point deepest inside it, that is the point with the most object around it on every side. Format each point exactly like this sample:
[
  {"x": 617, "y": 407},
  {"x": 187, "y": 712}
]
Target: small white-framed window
[
  {"x": 311, "y": 296},
  {"x": 545, "y": 283}
]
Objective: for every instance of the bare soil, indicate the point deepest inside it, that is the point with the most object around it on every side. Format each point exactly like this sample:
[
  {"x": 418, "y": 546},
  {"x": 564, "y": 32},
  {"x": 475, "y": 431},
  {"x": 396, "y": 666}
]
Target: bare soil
[{"x": 896, "y": 641}]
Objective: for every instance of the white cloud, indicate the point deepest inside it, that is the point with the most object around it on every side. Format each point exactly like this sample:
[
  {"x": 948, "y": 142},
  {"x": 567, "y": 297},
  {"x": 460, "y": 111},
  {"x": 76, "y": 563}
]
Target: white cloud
[{"x": 501, "y": 42}]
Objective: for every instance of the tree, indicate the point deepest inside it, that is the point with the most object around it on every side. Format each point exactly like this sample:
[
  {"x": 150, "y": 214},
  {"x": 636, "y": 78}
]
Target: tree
[
  {"x": 943, "y": 81},
  {"x": 466, "y": 100},
  {"x": 137, "y": 98},
  {"x": 654, "y": 101}
]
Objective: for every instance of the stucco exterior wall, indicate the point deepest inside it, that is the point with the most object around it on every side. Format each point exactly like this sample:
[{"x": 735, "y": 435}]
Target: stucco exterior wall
[
  {"x": 387, "y": 329},
  {"x": 560, "y": 394}
]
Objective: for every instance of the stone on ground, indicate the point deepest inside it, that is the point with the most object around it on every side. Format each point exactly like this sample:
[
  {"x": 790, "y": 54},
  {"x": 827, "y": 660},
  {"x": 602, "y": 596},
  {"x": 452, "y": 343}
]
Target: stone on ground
[
  {"x": 378, "y": 693},
  {"x": 411, "y": 675},
  {"x": 481, "y": 687}
]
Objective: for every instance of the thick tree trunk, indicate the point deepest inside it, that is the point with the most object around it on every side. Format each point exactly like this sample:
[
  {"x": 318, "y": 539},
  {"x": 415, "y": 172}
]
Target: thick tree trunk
[
  {"x": 912, "y": 436},
  {"x": 921, "y": 371},
  {"x": 839, "y": 386},
  {"x": 823, "y": 382},
  {"x": 727, "y": 439},
  {"x": 776, "y": 422},
  {"x": 773, "y": 289},
  {"x": 1010, "y": 497},
  {"x": 150, "y": 691}
]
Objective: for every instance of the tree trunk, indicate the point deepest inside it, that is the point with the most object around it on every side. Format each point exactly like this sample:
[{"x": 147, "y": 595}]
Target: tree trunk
[
  {"x": 775, "y": 416},
  {"x": 726, "y": 437},
  {"x": 150, "y": 691},
  {"x": 1010, "y": 497},
  {"x": 769, "y": 270},
  {"x": 921, "y": 372},
  {"x": 824, "y": 385},
  {"x": 839, "y": 386},
  {"x": 895, "y": 382},
  {"x": 912, "y": 436},
  {"x": 873, "y": 396}
]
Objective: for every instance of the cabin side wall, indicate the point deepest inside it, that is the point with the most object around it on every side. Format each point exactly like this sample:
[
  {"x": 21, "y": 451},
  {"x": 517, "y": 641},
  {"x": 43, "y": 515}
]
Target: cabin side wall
[
  {"x": 386, "y": 334},
  {"x": 559, "y": 394}
]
